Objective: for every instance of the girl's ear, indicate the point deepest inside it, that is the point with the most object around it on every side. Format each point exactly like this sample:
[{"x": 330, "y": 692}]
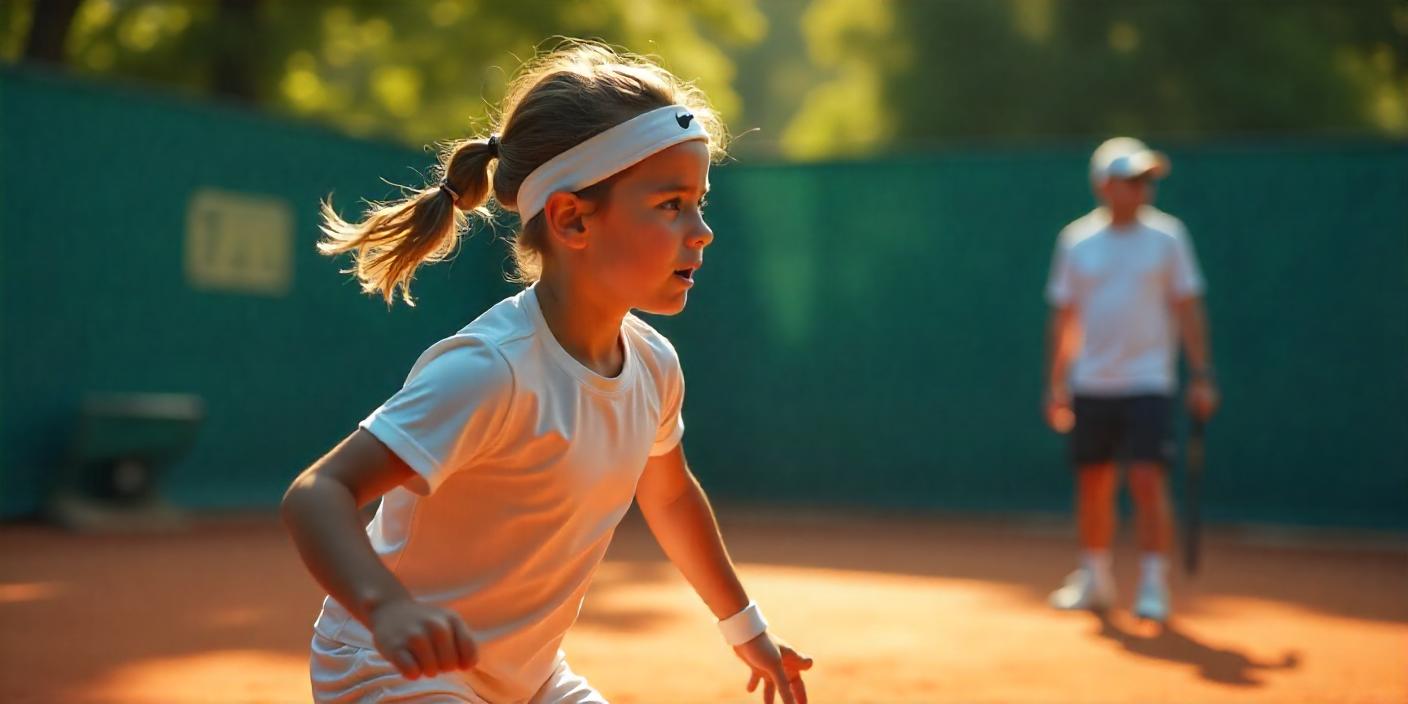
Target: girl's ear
[{"x": 564, "y": 214}]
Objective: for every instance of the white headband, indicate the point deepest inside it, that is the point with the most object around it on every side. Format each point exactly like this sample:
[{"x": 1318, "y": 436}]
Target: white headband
[{"x": 608, "y": 153}]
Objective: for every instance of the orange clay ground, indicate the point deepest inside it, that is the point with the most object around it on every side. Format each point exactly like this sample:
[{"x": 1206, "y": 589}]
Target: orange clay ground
[{"x": 893, "y": 610}]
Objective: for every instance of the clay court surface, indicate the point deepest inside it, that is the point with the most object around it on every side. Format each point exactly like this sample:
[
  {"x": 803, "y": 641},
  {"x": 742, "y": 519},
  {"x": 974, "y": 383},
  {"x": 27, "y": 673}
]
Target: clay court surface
[{"x": 893, "y": 610}]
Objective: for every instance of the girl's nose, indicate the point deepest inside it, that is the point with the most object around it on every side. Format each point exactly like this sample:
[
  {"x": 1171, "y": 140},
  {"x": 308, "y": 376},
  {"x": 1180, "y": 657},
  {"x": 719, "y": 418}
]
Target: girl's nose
[{"x": 702, "y": 235}]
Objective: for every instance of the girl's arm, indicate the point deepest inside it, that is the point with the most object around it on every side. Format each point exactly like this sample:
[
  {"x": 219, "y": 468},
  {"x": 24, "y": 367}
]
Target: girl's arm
[
  {"x": 678, "y": 513},
  {"x": 320, "y": 511}
]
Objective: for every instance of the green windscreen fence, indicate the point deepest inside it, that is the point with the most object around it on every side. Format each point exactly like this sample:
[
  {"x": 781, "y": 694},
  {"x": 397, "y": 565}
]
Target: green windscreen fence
[{"x": 866, "y": 333}]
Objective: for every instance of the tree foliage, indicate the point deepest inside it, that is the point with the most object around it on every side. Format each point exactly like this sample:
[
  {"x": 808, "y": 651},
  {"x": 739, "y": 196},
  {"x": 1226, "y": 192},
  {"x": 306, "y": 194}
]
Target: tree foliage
[
  {"x": 416, "y": 70},
  {"x": 905, "y": 72}
]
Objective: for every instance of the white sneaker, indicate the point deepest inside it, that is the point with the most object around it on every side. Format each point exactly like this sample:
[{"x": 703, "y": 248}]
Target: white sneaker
[
  {"x": 1152, "y": 601},
  {"x": 1082, "y": 592}
]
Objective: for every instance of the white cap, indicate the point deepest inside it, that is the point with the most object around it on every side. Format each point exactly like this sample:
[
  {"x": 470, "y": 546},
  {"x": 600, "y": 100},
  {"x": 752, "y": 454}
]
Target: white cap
[{"x": 1126, "y": 157}]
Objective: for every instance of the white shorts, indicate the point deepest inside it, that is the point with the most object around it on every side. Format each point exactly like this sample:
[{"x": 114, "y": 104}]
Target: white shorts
[{"x": 346, "y": 674}]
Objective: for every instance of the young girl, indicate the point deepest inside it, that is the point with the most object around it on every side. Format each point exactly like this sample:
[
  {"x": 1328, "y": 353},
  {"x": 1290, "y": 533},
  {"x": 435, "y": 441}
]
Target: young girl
[{"x": 516, "y": 445}]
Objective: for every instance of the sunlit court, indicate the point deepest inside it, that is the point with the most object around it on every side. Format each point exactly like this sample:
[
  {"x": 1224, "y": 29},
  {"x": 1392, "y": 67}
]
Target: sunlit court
[
  {"x": 897, "y": 609},
  {"x": 721, "y": 351}
]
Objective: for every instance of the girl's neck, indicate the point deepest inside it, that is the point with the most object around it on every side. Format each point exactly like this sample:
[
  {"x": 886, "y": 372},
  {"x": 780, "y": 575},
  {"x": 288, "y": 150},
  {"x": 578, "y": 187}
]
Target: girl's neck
[{"x": 587, "y": 328}]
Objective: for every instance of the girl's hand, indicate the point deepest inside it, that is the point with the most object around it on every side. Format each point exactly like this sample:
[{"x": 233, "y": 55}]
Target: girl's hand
[
  {"x": 777, "y": 666},
  {"x": 422, "y": 640}
]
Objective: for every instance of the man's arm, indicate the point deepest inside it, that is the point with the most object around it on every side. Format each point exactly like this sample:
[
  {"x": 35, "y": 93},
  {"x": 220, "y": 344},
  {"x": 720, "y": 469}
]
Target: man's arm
[
  {"x": 1203, "y": 397},
  {"x": 1192, "y": 324},
  {"x": 1062, "y": 343}
]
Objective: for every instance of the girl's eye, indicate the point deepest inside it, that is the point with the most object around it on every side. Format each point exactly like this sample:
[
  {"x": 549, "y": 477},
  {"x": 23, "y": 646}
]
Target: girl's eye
[{"x": 677, "y": 204}]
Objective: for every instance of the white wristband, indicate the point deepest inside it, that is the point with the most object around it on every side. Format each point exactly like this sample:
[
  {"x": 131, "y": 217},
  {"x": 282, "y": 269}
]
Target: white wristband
[{"x": 744, "y": 625}]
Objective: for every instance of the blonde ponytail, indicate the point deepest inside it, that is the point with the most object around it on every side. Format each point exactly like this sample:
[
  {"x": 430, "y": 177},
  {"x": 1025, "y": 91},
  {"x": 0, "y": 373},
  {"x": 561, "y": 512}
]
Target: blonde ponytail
[{"x": 396, "y": 238}]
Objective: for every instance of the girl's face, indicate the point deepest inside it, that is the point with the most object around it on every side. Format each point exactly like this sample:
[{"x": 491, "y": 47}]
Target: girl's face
[{"x": 647, "y": 238}]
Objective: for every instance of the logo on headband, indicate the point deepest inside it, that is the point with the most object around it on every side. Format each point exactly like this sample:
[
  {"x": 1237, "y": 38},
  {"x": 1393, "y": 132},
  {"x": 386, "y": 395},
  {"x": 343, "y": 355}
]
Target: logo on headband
[{"x": 683, "y": 119}]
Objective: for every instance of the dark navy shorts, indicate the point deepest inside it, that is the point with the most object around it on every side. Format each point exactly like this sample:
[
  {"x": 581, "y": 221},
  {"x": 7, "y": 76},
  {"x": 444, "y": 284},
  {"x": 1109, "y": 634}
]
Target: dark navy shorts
[{"x": 1122, "y": 429}]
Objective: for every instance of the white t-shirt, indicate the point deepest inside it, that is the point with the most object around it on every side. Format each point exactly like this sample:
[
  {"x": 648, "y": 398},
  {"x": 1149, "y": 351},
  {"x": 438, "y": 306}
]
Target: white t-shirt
[
  {"x": 1123, "y": 283},
  {"x": 526, "y": 462}
]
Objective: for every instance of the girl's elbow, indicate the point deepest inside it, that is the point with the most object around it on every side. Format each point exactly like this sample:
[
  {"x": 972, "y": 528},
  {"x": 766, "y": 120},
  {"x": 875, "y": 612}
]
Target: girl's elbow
[{"x": 296, "y": 499}]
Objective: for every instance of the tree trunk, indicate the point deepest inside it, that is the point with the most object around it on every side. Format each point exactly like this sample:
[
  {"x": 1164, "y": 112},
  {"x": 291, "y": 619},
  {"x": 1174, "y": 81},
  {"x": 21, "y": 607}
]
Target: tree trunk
[
  {"x": 52, "y": 19},
  {"x": 237, "y": 44}
]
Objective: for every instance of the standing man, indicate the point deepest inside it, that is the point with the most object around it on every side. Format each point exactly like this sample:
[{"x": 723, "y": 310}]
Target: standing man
[{"x": 1124, "y": 287}]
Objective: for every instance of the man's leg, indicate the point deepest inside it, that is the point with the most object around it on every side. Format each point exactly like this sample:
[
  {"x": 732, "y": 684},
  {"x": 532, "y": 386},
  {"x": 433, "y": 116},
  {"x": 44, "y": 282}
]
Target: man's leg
[
  {"x": 1097, "y": 485},
  {"x": 1095, "y": 505},
  {"x": 1153, "y": 514},
  {"x": 1151, "y": 452},
  {"x": 1092, "y": 451}
]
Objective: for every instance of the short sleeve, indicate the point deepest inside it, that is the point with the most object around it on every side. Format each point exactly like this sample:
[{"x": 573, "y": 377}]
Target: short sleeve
[
  {"x": 1058, "y": 283},
  {"x": 1186, "y": 279},
  {"x": 449, "y": 411},
  {"x": 671, "y": 428}
]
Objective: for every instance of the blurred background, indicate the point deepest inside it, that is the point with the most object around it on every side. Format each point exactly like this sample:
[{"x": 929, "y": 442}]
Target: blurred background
[{"x": 866, "y": 341}]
